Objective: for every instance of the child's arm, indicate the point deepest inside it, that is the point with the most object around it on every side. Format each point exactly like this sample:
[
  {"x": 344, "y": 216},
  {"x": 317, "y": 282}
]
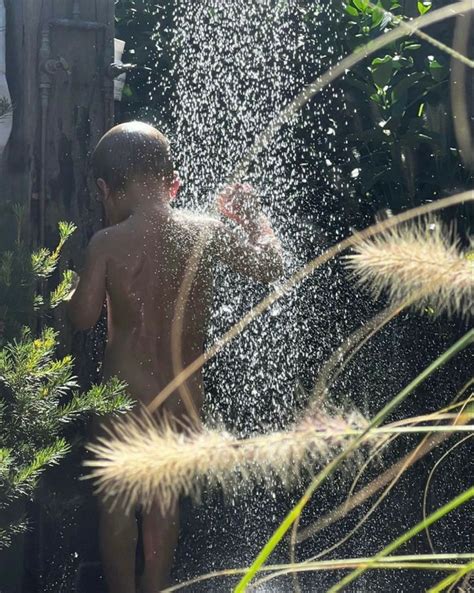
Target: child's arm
[
  {"x": 86, "y": 303},
  {"x": 260, "y": 257}
]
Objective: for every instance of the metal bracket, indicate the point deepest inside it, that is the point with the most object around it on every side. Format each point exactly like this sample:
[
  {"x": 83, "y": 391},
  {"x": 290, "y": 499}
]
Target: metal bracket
[{"x": 117, "y": 68}]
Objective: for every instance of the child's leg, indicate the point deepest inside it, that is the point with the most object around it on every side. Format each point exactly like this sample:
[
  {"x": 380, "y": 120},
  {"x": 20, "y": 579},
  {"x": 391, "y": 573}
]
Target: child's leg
[
  {"x": 160, "y": 537},
  {"x": 118, "y": 533},
  {"x": 118, "y": 545}
]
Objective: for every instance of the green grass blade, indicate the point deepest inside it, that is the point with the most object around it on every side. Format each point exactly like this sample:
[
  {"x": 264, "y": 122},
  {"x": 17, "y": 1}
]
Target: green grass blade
[
  {"x": 452, "y": 579},
  {"x": 295, "y": 512},
  {"x": 436, "y": 516}
]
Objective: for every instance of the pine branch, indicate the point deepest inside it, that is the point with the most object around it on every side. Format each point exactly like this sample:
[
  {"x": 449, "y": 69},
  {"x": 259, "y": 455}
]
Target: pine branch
[
  {"x": 62, "y": 291},
  {"x": 106, "y": 398},
  {"x": 25, "y": 480},
  {"x": 8, "y": 532}
]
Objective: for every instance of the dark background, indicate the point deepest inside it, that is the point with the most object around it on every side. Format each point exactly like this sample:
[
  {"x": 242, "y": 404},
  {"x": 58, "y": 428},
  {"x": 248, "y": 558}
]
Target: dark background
[{"x": 217, "y": 534}]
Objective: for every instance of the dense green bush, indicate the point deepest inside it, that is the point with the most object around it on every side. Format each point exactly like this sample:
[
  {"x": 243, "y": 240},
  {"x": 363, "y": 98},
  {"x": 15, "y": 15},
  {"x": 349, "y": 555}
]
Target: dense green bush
[
  {"x": 402, "y": 145},
  {"x": 39, "y": 394},
  {"x": 38, "y": 398}
]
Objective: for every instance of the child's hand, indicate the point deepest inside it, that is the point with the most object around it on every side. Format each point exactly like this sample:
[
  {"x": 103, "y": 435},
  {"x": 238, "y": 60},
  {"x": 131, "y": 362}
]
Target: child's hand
[{"x": 240, "y": 203}]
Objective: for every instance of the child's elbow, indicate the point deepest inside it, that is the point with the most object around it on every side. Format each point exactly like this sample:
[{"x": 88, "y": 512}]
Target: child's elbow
[{"x": 81, "y": 318}]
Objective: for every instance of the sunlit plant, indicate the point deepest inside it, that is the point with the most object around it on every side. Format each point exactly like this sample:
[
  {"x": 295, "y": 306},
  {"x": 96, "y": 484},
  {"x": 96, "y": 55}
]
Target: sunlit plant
[
  {"x": 39, "y": 398},
  {"x": 24, "y": 296},
  {"x": 386, "y": 263},
  {"x": 39, "y": 394}
]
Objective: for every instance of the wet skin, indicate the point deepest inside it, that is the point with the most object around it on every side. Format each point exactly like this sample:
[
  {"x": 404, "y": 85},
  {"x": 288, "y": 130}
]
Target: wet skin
[{"x": 138, "y": 266}]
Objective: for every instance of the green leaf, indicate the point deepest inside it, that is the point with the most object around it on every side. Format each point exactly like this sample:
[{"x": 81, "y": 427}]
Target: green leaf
[
  {"x": 378, "y": 61},
  {"x": 46, "y": 457},
  {"x": 361, "y": 85},
  {"x": 412, "y": 46},
  {"x": 38, "y": 302},
  {"x": 382, "y": 70},
  {"x": 424, "y": 7},
  {"x": 66, "y": 229},
  {"x": 43, "y": 263},
  {"x": 107, "y": 398},
  {"x": 361, "y": 5},
  {"x": 385, "y": 21},
  {"x": 407, "y": 82},
  {"x": 405, "y": 62},
  {"x": 127, "y": 91},
  {"x": 397, "y": 109},
  {"x": 351, "y": 10},
  {"x": 377, "y": 16},
  {"x": 437, "y": 70},
  {"x": 62, "y": 291}
]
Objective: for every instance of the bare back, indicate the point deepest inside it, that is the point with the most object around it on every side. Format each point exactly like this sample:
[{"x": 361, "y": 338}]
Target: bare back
[
  {"x": 139, "y": 266},
  {"x": 147, "y": 259}
]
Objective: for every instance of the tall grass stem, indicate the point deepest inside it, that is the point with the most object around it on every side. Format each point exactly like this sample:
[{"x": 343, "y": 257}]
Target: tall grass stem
[
  {"x": 296, "y": 511},
  {"x": 453, "y": 504}
]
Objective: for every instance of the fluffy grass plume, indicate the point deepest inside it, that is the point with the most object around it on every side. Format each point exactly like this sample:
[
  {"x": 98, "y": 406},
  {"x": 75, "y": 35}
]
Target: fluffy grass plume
[
  {"x": 142, "y": 462},
  {"x": 421, "y": 263}
]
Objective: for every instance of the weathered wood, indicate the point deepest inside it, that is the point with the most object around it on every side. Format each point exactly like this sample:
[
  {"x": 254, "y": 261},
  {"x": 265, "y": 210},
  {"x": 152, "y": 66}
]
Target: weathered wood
[
  {"x": 18, "y": 169},
  {"x": 78, "y": 115},
  {"x": 79, "y": 110}
]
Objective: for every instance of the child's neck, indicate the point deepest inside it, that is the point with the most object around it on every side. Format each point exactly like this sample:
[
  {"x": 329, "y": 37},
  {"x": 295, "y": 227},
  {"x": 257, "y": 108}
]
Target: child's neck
[{"x": 148, "y": 198}]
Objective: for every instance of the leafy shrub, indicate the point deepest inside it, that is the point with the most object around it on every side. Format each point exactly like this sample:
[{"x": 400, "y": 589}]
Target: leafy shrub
[
  {"x": 38, "y": 398},
  {"x": 403, "y": 149},
  {"x": 39, "y": 394}
]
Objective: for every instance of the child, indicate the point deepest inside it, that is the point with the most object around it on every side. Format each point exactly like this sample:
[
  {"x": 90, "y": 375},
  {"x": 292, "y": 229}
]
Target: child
[{"x": 138, "y": 264}]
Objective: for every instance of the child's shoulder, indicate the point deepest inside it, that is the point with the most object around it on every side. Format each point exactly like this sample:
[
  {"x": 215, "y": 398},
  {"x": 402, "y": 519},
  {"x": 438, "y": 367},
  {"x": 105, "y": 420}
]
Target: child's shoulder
[
  {"x": 103, "y": 241},
  {"x": 196, "y": 220}
]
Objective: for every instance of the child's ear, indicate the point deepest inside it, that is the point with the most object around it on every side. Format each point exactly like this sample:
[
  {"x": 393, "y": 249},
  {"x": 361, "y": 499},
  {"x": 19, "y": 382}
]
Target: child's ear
[
  {"x": 175, "y": 186},
  {"x": 103, "y": 188}
]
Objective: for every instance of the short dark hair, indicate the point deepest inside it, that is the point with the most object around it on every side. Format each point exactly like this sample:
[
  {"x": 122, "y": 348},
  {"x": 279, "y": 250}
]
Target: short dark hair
[{"x": 129, "y": 152}]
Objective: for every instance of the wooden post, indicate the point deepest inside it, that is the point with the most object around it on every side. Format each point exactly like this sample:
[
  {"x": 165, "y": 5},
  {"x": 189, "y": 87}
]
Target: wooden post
[
  {"x": 79, "y": 107},
  {"x": 57, "y": 57}
]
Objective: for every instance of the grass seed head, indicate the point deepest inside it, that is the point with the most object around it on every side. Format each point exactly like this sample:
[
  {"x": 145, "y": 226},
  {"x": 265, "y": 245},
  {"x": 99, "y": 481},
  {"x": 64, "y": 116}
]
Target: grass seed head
[
  {"x": 142, "y": 462},
  {"x": 420, "y": 263}
]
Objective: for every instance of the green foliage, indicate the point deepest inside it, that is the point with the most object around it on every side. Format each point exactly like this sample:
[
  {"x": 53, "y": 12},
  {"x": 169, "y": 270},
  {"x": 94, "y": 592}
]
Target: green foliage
[
  {"x": 23, "y": 296},
  {"x": 62, "y": 290},
  {"x": 39, "y": 394},
  {"x": 402, "y": 148},
  {"x": 147, "y": 29},
  {"x": 39, "y": 398}
]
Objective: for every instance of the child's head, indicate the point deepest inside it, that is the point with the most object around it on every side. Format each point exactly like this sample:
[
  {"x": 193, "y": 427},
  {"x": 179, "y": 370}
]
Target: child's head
[{"x": 133, "y": 153}]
